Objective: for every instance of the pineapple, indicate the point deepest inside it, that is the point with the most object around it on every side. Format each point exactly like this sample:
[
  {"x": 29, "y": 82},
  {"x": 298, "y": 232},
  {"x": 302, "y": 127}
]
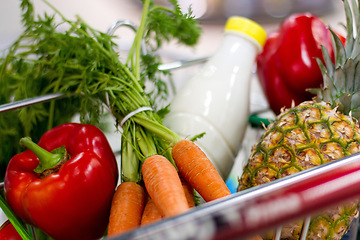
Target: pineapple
[{"x": 316, "y": 132}]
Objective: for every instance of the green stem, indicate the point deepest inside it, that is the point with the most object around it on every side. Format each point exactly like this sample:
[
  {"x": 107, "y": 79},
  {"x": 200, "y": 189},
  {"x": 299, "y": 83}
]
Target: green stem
[
  {"x": 52, "y": 104},
  {"x": 161, "y": 8},
  {"x": 130, "y": 162},
  {"x": 139, "y": 37},
  {"x": 145, "y": 142},
  {"x": 157, "y": 128},
  {"x": 47, "y": 160},
  {"x": 136, "y": 47}
]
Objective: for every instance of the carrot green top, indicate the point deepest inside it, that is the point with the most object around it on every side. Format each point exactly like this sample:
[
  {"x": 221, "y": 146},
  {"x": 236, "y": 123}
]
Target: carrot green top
[{"x": 83, "y": 63}]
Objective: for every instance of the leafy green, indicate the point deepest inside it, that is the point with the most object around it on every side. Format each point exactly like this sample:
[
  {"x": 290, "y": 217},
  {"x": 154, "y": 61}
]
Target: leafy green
[
  {"x": 165, "y": 25},
  {"x": 82, "y": 63}
]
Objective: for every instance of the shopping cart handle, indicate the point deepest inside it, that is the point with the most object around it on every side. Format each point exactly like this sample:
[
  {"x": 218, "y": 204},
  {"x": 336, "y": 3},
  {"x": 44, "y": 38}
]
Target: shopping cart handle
[{"x": 262, "y": 208}]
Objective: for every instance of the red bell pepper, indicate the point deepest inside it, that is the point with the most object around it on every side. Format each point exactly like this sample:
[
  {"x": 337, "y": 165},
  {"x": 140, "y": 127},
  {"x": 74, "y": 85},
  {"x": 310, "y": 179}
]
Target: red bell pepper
[
  {"x": 287, "y": 66},
  {"x": 8, "y": 232},
  {"x": 67, "y": 192}
]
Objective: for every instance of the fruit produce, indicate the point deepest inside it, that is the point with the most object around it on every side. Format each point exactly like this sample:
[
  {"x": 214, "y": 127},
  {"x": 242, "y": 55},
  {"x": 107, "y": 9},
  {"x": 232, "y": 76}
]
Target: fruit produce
[
  {"x": 287, "y": 66},
  {"x": 316, "y": 132},
  {"x": 65, "y": 184}
]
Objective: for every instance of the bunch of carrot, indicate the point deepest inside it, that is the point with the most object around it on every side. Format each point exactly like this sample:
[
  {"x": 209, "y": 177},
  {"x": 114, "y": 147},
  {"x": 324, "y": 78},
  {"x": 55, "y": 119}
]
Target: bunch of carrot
[
  {"x": 156, "y": 163},
  {"x": 154, "y": 159},
  {"x": 160, "y": 170},
  {"x": 168, "y": 189}
]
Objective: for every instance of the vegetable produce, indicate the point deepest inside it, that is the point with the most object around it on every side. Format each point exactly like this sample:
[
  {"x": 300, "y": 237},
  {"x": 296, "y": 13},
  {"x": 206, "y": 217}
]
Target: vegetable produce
[
  {"x": 8, "y": 232},
  {"x": 151, "y": 213},
  {"x": 44, "y": 55},
  {"x": 15, "y": 221},
  {"x": 22, "y": 79},
  {"x": 287, "y": 66},
  {"x": 52, "y": 185},
  {"x": 83, "y": 63},
  {"x": 198, "y": 170},
  {"x": 316, "y": 132},
  {"x": 126, "y": 208},
  {"x": 189, "y": 192},
  {"x": 164, "y": 186}
]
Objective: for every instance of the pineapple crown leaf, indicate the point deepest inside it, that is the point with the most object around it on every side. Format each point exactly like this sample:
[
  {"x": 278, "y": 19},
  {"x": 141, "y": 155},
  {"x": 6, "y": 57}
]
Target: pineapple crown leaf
[
  {"x": 345, "y": 103},
  {"x": 340, "y": 84},
  {"x": 339, "y": 49},
  {"x": 355, "y": 106},
  {"x": 330, "y": 68}
]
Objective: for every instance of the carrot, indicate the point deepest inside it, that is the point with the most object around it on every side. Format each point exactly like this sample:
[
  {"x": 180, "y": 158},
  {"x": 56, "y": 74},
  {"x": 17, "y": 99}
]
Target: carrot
[
  {"x": 189, "y": 192},
  {"x": 164, "y": 186},
  {"x": 126, "y": 208},
  {"x": 199, "y": 171},
  {"x": 151, "y": 213}
]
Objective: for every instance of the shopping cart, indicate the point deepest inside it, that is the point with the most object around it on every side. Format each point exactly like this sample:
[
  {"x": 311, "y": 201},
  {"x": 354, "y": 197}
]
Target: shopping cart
[{"x": 253, "y": 211}]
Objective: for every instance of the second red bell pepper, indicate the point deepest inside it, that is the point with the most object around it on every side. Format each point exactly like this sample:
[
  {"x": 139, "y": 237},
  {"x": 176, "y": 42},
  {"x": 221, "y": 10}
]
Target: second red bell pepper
[
  {"x": 287, "y": 66},
  {"x": 66, "y": 193},
  {"x": 8, "y": 232}
]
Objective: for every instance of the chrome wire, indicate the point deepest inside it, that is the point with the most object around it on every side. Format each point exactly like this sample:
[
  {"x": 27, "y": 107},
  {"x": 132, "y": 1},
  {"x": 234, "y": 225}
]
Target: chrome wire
[
  {"x": 30, "y": 101},
  {"x": 126, "y": 23},
  {"x": 55, "y": 96},
  {"x": 305, "y": 228},
  {"x": 278, "y": 233}
]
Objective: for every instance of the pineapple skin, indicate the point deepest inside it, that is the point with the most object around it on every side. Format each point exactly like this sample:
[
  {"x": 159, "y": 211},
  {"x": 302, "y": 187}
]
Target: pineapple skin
[{"x": 300, "y": 138}]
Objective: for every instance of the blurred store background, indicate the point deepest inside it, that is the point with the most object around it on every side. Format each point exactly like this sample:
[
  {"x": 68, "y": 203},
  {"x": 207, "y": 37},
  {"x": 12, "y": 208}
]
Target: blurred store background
[{"x": 212, "y": 15}]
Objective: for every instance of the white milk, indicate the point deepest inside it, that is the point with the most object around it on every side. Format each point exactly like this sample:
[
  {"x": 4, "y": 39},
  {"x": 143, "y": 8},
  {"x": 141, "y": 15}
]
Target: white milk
[{"x": 216, "y": 99}]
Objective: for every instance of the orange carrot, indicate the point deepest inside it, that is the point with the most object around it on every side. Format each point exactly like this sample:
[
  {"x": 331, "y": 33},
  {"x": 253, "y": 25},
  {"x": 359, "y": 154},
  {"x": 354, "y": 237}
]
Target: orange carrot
[
  {"x": 151, "y": 213},
  {"x": 126, "y": 208},
  {"x": 164, "y": 186},
  {"x": 199, "y": 171},
  {"x": 189, "y": 192}
]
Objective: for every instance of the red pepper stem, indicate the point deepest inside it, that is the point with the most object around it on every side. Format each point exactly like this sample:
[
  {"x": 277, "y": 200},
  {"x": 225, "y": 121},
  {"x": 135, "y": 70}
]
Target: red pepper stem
[{"x": 47, "y": 160}]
